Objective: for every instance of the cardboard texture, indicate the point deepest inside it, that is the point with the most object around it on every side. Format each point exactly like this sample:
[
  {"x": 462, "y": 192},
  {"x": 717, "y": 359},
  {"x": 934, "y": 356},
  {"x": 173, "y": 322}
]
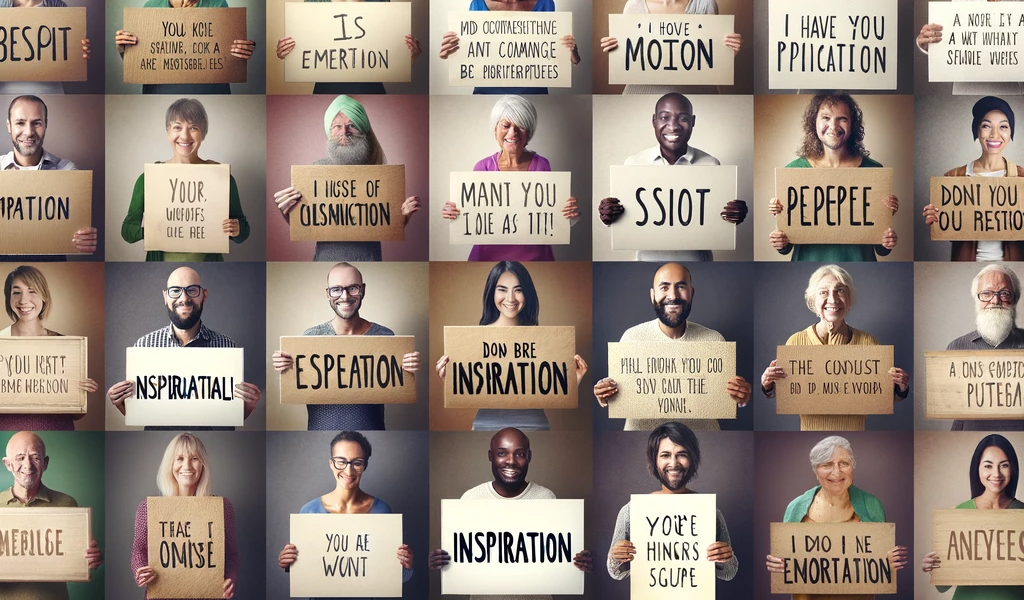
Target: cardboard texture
[
  {"x": 357, "y": 560},
  {"x": 348, "y": 369},
  {"x": 505, "y": 207},
  {"x": 186, "y": 206},
  {"x": 44, "y": 544},
  {"x": 835, "y": 380},
  {"x": 347, "y": 42},
  {"x": 671, "y": 49},
  {"x": 163, "y": 376},
  {"x": 186, "y": 546},
  {"x": 974, "y": 208},
  {"x": 348, "y": 204},
  {"x": 833, "y": 206},
  {"x": 184, "y": 46},
  {"x": 559, "y": 528},
  {"x": 515, "y": 49},
  {"x": 40, "y": 211},
  {"x": 43, "y": 44},
  {"x": 980, "y": 43},
  {"x": 41, "y": 374},
  {"x": 978, "y": 547},
  {"x": 673, "y": 209},
  {"x": 975, "y": 384},
  {"x": 510, "y": 367},
  {"x": 819, "y": 555},
  {"x": 671, "y": 533},
  {"x": 849, "y": 46},
  {"x": 672, "y": 380}
]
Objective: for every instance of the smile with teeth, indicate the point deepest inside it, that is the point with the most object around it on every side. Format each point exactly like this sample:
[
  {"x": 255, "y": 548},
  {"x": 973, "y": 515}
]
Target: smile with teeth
[{"x": 993, "y": 143}]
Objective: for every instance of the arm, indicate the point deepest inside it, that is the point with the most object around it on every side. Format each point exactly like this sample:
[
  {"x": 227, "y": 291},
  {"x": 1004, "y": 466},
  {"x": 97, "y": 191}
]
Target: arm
[
  {"x": 619, "y": 569},
  {"x": 140, "y": 544},
  {"x": 131, "y": 227},
  {"x": 231, "y": 557},
  {"x": 235, "y": 212},
  {"x": 727, "y": 570}
]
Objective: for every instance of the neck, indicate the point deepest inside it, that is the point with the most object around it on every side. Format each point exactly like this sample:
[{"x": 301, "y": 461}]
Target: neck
[
  {"x": 838, "y": 500},
  {"x": 667, "y": 490},
  {"x": 990, "y": 162},
  {"x": 186, "y": 335},
  {"x": 672, "y": 332},
  {"x": 345, "y": 500},
  {"x": 350, "y": 326},
  {"x": 507, "y": 491},
  {"x": 191, "y": 159},
  {"x": 673, "y": 158},
  {"x": 28, "y": 161},
  {"x": 834, "y": 158},
  {"x": 26, "y": 495},
  {"x": 503, "y": 321},
  {"x": 26, "y": 3},
  {"x": 509, "y": 161},
  {"x": 824, "y": 329},
  {"x": 34, "y": 327},
  {"x": 189, "y": 490},
  {"x": 990, "y": 499}
]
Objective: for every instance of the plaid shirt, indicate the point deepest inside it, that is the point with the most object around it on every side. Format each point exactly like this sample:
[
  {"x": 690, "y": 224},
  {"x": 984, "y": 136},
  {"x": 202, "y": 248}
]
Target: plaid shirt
[{"x": 165, "y": 338}]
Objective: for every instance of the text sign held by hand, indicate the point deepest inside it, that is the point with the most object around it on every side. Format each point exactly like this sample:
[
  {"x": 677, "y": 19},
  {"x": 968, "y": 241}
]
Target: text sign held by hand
[
  {"x": 833, "y": 206},
  {"x": 43, "y": 44},
  {"x": 41, "y": 374},
  {"x": 186, "y": 546},
  {"x": 44, "y": 544},
  {"x": 672, "y": 533},
  {"x": 505, "y": 207},
  {"x": 40, "y": 211},
  {"x": 184, "y": 386},
  {"x": 978, "y": 547},
  {"x": 348, "y": 204},
  {"x": 186, "y": 206},
  {"x": 671, "y": 49},
  {"x": 978, "y": 208},
  {"x": 184, "y": 46},
  {"x": 517, "y": 49},
  {"x": 835, "y": 380},
  {"x": 834, "y": 558},
  {"x": 975, "y": 384},
  {"x": 348, "y": 369},
  {"x": 980, "y": 42}
]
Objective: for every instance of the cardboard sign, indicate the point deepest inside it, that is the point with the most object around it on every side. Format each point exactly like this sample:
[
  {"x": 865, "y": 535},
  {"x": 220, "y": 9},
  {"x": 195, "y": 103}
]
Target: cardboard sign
[
  {"x": 522, "y": 547},
  {"x": 671, "y": 49},
  {"x": 43, "y": 44},
  {"x": 186, "y": 546},
  {"x": 348, "y": 42},
  {"x": 510, "y": 367},
  {"x": 835, "y": 380},
  {"x": 978, "y": 208},
  {"x": 672, "y": 533},
  {"x": 348, "y": 369},
  {"x": 184, "y": 386},
  {"x": 815, "y": 45},
  {"x": 672, "y": 380},
  {"x": 515, "y": 49},
  {"x": 40, "y": 211},
  {"x": 674, "y": 208},
  {"x": 184, "y": 46},
  {"x": 41, "y": 374},
  {"x": 978, "y": 547},
  {"x": 186, "y": 206},
  {"x": 834, "y": 558},
  {"x": 44, "y": 544},
  {"x": 346, "y": 556},
  {"x": 833, "y": 206},
  {"x": 979, "y": 43},
  {"x": 506, "y": 207},
  {"x": 975, "y": 384},
  {"x": 348, "y": 204}
]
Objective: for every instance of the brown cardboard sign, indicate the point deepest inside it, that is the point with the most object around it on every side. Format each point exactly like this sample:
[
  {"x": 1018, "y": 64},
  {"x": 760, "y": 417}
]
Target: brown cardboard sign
[
  {"x": 672, "y": 380},
  {"x": 43, "y": 44},
  {"x": 978, "y": 208},
  {"x": 975, "y": 384},
  {"x": 979, "y": 43},
  {"x": 506, "y": 207},
  {"x": 41, "y": 374},
  {"x": 348, "y": 369},
  {"x": 510, "y": 367},
  {"x": 834, "y": 558},
  {"x": 833, "y": 206},
  {"x": 186, "y": 546},
  {"x": 360, "y": 203},
  {"x": 184, "y": 46},
  {"x": 978, "y": 547},
  {"x": 186, "y": 206},
  {"x": 40, "y": 211},
  {"x": 44, "y": 544},
  {"x": 835, "y": 380},
  {"x": 671, "y": 49}
]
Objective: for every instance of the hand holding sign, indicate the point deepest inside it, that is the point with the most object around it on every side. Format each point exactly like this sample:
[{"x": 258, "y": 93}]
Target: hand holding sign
[{"x": 931, "y": 33}]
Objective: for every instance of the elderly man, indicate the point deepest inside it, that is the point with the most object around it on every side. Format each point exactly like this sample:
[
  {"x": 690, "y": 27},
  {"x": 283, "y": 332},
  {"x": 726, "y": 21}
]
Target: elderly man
[
  {"x": 345, "y": 293},
  {"x": 184, "y": 298},
  {"x": 671, "y": 295},
  {"x": 26, "y": 459},
  {"x": 350, "y": 141}
]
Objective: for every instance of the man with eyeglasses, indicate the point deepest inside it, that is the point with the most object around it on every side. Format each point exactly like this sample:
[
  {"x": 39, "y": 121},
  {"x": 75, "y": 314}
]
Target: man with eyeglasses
[{"x": 345, "y": 293}]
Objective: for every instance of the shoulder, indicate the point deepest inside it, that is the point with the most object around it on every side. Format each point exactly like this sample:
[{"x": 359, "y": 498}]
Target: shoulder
[
  {"x": 797, "y": 509},
  {"x": 701, "y": 157},
  {"x": 155, "y": 4},
  {"x": 867, "y": 161},
  {"x": 538, "y": 492},
  {"x": 635, "y": 7},
  {"x": 321, "y": 329},
  {"x": 217, "y": 339},
  {"x": 645, "y": 156},
  {"x": 229, "y": 508},
  {"x": 152, "y": 339},
  {"x": 142, "y": 511},
  {"x": 487, "y": 163},
  {"x": 313, "y": 506},
  {"x": 963, "y": 342},
  {"x": 638, "y": 333},
  {"x": 539, "y": 163},
  {"x": 380, "y": 507},
  {"x": 970, "y": 504},
  {"x": 61, "y": 499},
  {"x": 216, "y": 4},
  {"x": 478, "y": 5},
  {"x": 702, "y": 333},
  {"x": 872, "y": 505},
  {"x": 800, "y": 338},
  {"x": 800, "y": 163},
  {"x": 478, "y": 492},
  {"x": 960, "y": 171},
  {"x": 378, "y": 329},
  {"x": 862, "y": 338}
]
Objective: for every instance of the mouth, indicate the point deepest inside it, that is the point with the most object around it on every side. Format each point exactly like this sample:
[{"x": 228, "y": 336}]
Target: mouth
[
  {"x": 26, "y": 310},
  {"x": 185, "y": 145},
  {"x": 671, "y": 137},
  {"x": 510, "y": 473},
  {"x": 832, "y": 310},
  {"x": 993, "y": 144}
]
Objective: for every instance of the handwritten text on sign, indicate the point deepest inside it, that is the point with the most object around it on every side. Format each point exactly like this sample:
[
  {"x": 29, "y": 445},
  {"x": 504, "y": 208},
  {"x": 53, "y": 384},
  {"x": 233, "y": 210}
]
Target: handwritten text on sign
[
  {"x": 40, "y": 211},
  {"x": 44, "y": 544},
  {"x": 673, "y": 209},
  {"x": 526, "y": 547},
  {"x": 833, "y": 206},
  {"x": 350, "y": 554},
  {"x": 184, "y": 46},
  {"x": 43, "y": 44},
  {"x": 978, "y": 547},
  {"x": 834, "y": 558},
  {"x": 350, "y": 41},
  {"x": 672, "y": 533},
  {"x": 348, "y": 369},
  {"x": 824, "y": 46},
  {"x": 979, "y": 43},
  {"x": 671, "y": 49},
  {"x": 186, "y": 206},
  {"x": 835, "y": 380},
  {"x": 661, "y": 380},
  {"x": 978, "y": 208},
  {"x": 503, "y": 207},
  {"x": 348, "y": 204},
  {"x": 41, "y": 374},
  {"x": 510, "y": 367},
  {"x": 186, "y": 546},
  {"x": 975, "y": 384},
  {"x": 520, "y": 49},
  {"x": 184, "y": 386}
]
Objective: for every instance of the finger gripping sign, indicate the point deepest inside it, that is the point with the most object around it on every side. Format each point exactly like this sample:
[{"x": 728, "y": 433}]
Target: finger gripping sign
[
  {"x": 671, "y": 533},
  {"x": 975, "y": 384},
  {"x": 503, "y": 207},
  {"x": 978, "y": 547},
  {"x": 503, "y": 48},
  {"x": 834, "y": 558},
  {"x": 348, "y": 204},
  {"x": 40, "y": 211},
  {"x": 186, "y": 546},
  {"x": 834, "y": 206},
  {"x": 979, "y": 43},
  {"x": 41, "y": 374},
  {"x": 184, "y": 46},
  {"x": 348, "y": 369},
  {"x": 44, "y": 544},
  {"x": 186, "y": 206},
  {"x": 973, "y": 208},
  {"x": 184, "y": 386},
  {"x": 43, "y": 44},
  {"x": 835, "y": 380},
  {"x": 671, "y": 49}
]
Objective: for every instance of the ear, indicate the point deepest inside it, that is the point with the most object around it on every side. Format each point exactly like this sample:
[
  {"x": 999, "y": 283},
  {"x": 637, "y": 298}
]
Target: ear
[
  {"x": 9, "y": 126},
  {"x": 529, "y": 456},
  {"x": 206, "y": 293},
  {"x": 490, "y": 456},
  {"x": 693, "y": 120},
  {"x": 652, "y": 296},
  {"x": 7, "y": 463},
  {"x": 46, "y": 463}
]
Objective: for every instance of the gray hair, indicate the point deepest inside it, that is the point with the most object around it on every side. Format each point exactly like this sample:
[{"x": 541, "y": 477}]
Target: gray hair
[
  {"x": 823, "y": 451},
  {"x": 517, "y": 109},
  {"x": 1014, "y": 280},
  {"x": 823, "y": 271},
  {"x": 189, "y": 110}
]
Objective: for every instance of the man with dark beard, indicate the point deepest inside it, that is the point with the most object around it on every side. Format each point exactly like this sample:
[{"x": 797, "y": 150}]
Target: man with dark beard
[{"x": 671, "y": 296}]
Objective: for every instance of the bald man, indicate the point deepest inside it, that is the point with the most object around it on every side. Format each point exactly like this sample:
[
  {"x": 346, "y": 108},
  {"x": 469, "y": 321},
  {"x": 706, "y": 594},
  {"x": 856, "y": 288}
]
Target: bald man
[
  {"x": 672, "y": 297},
  {"x": 26, "y": 460},
  {"x": 345, "y": 293}
]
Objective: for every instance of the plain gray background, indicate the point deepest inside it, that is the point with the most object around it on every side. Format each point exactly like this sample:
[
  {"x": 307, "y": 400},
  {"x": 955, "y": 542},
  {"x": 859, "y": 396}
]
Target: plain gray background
[
  {"x": 884, "y": 307},
  {"x": 298, "y": 470},
  {"x": 237, "y": 469}
]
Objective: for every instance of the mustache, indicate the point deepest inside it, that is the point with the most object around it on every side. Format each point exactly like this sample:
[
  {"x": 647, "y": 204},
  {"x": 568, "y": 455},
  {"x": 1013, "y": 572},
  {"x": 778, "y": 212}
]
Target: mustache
[{"x": 676, "y": 302}]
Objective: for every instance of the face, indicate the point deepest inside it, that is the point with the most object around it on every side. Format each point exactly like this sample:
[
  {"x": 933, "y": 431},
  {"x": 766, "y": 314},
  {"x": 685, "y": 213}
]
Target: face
[
  {"x": 994, "y": 282},
  {"x": 510, "y": 457},
  {"x": 836, "y": 475},
  {"x": 832, "y": 302},
  {"x": 994, "y": 133},
  {"x": 508, "y": 296},
  {"x": 833, "y": 125},
  {"x": 26, "y": 459},
  {"x": 25, "y": 302},
  {"x": 344, "y": 131},
  {"x": 672, "y": 294},
  {"x": 995, "y": 470},
  {"x": 185, "y": 138},
  {"x": 345, "y": 306},
  {"x": 673, "y": 124},
  {"x": 27, "y": 126},
  {"x": 187, "y": 468},
  {"x": 511, "y": 137},
  {"x": 348, "y": 477},
  {"x": 183, "y": 311},
  {"x": 673, "y": 463}
]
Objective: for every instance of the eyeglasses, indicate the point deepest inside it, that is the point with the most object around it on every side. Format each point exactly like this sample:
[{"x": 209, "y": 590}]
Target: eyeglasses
[
  {"x": 191, "y": 291},
  {"x": 844, "y": 465},
  {"x": 354, "y": 291},
  {"x": 988, "y": 295},
  {"x": 342, "y": 463}
]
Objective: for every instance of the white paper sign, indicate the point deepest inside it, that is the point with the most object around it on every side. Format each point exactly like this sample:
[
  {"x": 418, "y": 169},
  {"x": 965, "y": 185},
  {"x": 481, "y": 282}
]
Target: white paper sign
[
  {"x": 184, "y": 386},
  {"x": 672, "y": 533},
  {"x": 980, "y": 42}
]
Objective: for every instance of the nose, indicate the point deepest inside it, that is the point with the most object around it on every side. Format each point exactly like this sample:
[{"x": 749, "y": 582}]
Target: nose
[{"x": 833, "y": 296}]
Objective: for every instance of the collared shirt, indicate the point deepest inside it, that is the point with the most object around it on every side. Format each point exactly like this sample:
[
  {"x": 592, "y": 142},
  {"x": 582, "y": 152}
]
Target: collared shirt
[
  {"x": 974, "y": 341},
  {"x": 36, "y": 590},
  {"x": 652, "y": 156},
  {"x": 165, "y": 338},
  {"x": 49, "y": 162},
  {"x": 45, "y": 497}
]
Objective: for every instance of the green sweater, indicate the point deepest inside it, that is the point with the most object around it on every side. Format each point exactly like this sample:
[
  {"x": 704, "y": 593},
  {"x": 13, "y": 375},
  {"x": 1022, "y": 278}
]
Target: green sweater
[
  {"x": 986, "y": 592},
  {"x": 866, "y": 506}
]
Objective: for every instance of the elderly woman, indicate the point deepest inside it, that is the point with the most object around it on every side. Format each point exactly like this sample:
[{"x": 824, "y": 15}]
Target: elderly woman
[
  {"x": 992, "y": 127},
  {"x": 829, "y": 295},
  {"x": 835, "y": 500},
  {"x": 187, "y": 125},
  {"x": 184, "y": 471},
  {"x": 514, "y": 120}
]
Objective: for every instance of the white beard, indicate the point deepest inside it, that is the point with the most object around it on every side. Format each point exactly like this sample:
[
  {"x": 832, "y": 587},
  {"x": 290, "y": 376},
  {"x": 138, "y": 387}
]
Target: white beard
[
  {"x": 995, "y": 324},
  {"x": 356, "y": 152}
]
